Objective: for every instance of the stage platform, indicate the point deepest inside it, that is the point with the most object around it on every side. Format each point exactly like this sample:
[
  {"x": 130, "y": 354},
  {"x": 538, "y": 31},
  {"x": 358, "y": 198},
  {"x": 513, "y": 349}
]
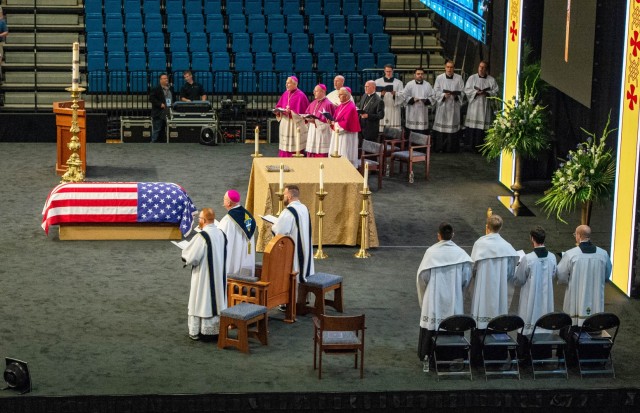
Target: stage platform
[{"x": 103, "y": 324}]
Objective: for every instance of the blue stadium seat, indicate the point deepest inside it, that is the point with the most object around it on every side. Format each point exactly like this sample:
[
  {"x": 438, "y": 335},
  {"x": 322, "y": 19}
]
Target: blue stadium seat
[
  {"x": 272, "y": 7},
  {"x": 155, "y": 42},
  {"x": 205, "y": 79},
  {"x": 366, "y": 61},
  {"x": 317, "y": 24},
  {"x": 179, "y": 62},
  {"x": 280, "y": 43},
  {"x": 322, "y": 43},
  {"x": 95, "y": 42},
  {"x": 193, "y": 7},
  {"x": 335, "y": 24},
  {"x": 137, "y": 61},
  {"x": 212, "y": 6},
  {"x": 283, "y": 61},
  {"x": 253, "y": 7},
  {"x": 150, "y": 6},
  {"x": 351, "y": 7},
  {"x": 264, "y": 61},
  {"x": 369, "y": 7},
  {"x": 135, "y": 42},
  {"x": 290, "y": 7},
  {"x": 243, "y": 62},
  {"x": 312, "y": 7},
  {"x": 267, "y": 82},
  {"x": 355, "y": 24},
  {"x": 380, "y": 43},
  {"x": 295, "y": 23},
  {"x": 247, "y": 82},
  {"x": 175, "y": 23},
  {"x": 178, "y": 42},
  {"x": 240, "y": 42},
  {"x": 385, "y": 59},
  {"x": 332, "y": 7},
  {"x": 130, "y": 6},
  {"x": 237, "y": 23},
  {"x": 256, "y": 23},
  {"x": 307, "y": 81},
  {"x": 115, "y": 42},
  {"x": 138, "y": 81},
  {"x": 93, "y": 22},
  {"x": 217, "y": 42},
  {"x": 341, "y": 43},
  {"x": 157, "y": 62},
  {"x": 360, "y": 43},
  {"x": 198, "y": 42},
  {"x": 303, "y": 62},
  {"x": 195, "y": 23},
  {"x": 354, "y": 81},
  {"x": 112, "y": 6},
  {"x": 96, "y": 61},
  {"x": 234, "y": 7},
  {"x": 260, "y": 42},
  {"x": 223, "y": 82},
  {"x": 117, "y": 64},
  {"x": 93, "y": 7},
  {"x": 133, "y": 22},
  {"x": 220, "y": 61},
  {"x": 113, "y": 22},
  {"x": 326, "y": 62},
  {"x": 346, "y": 62},
  {"x": 215, "y": 23},
  {"x": 200, "y": 65},
  {"x": 97, "y": 76},
  {"x": 152, "y": 22},
  {"x": 173, "y": 7},
  {"x": 375, "y": 24},
  {"x": 299, "y": 43},
  {"x": 275, "y": 23}
]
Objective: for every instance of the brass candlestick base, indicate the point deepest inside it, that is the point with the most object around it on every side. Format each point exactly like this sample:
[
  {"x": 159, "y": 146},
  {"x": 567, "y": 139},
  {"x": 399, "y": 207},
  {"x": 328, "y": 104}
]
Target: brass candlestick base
[
  {"x": 320, "y": 255},
  {"x": 298, "y": 155},
  {"x": 362, "y": 253},
  {"x": 256, "y": 155},
  {"x": 74, "y": 163},
  {"x": 336, "y": 155},
  {"x": 280, "y": 201}
]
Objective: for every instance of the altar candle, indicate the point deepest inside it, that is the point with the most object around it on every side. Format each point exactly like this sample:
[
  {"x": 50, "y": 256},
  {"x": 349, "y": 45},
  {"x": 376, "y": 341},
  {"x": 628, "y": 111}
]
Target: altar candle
[
  {"x": 257, "y": 139},
  {"x": 297, "y": 140},
  {"x": 366, "y": 176},
  {"x": 281, "y": 177},
  {"x": 75, "y": 66},
  {"x": 321, "y": 177}
]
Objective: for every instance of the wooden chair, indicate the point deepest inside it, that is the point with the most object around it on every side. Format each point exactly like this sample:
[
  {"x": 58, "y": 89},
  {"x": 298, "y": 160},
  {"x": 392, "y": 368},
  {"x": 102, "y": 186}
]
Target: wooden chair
[
  {"x": 418, "y": 150},
  {"x": 242, "y": 317},
  {"x": 338, "y": 335},
  {"x": 276, "y": 273},
  {"x": 393, "y": 140},
  {"x": 320, "y": 284},
  {"x": 372, "y": 154}
]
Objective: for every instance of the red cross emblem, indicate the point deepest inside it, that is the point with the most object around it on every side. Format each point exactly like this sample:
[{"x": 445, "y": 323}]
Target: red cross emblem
[
  {"x": 635, "y": 44},
  {"x": 631, "y": 95},
  {"x": 513, "y": 31}
]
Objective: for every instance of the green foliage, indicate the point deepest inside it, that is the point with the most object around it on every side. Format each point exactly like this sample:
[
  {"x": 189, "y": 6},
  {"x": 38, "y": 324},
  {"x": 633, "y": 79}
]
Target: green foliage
[
  {"x": 587, "y": 174},
  {"x": 520, "y": 126}
]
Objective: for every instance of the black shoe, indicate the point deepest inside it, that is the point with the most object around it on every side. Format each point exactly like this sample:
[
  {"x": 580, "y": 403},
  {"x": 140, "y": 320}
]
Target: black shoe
[{"x": 283, "y": 308}]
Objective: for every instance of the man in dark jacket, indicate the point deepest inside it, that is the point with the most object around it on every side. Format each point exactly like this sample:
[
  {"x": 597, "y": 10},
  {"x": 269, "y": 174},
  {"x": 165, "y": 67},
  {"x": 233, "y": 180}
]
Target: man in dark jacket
[
  {"x": 371, "y": 110},
  {"x": 161, "y": 98}
]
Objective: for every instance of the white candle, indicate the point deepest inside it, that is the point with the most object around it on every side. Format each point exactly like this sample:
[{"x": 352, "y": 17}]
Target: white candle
[
  {"x": 257, "y": 139},
  {"x": 321, "y": 177},
  {"x": 75, "y": 66},
  {"x": 337, "y": 137},
  {"x": 366, "y": 176},
  {"x": 297, "y": 140},
  {"x": 281, "y": 177}
]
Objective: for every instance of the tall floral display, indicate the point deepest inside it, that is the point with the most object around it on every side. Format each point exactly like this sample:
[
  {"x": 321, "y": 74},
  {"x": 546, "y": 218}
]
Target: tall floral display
[{"x": 585, "y": 177}]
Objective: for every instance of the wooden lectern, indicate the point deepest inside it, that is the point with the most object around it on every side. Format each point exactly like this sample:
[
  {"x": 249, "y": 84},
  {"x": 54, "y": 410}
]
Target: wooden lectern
[{"x": 64, "y": 113}]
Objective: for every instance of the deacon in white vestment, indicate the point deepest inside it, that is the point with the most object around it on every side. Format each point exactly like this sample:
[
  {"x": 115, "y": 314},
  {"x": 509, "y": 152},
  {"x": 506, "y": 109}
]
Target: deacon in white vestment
[
  {"x": 208, "y": 294},
  {"x": 295, "y": 222},
  {"x": 585, "y": 269},
  {"x": 239, "y": 226},
  {"x": 478, "y": 89},
  {"x": 449, "y": 93},
  {"x": 338, "y": 83},
  {"x": 418, "y": 95},
  {"x": 535, "y": 275},
  {"x": 445, "y": 271},
  {"x": 390, "y": 90}
]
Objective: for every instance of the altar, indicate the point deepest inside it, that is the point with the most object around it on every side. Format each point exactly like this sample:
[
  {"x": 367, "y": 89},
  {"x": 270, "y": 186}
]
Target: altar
[{"x": 342, "y": 205}]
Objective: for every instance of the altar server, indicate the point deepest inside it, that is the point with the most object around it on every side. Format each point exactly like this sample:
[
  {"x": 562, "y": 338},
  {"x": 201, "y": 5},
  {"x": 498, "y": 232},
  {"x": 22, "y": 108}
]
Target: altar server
[
  {"x": 389, "y": 89},
  {"x": 240, "y": 228}
]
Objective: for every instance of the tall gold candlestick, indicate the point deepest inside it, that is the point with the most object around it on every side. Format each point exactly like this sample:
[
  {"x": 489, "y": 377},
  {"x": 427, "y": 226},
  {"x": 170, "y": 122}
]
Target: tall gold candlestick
[
  {"x": 74, "y": 163},
  {"x": 362, "y": 253},
  {"x": 320, "y": 255}
]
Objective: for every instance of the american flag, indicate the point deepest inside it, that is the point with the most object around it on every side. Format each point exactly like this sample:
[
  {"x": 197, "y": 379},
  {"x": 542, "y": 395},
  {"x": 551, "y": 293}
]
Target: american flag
[{"x": 118, "y": 202}]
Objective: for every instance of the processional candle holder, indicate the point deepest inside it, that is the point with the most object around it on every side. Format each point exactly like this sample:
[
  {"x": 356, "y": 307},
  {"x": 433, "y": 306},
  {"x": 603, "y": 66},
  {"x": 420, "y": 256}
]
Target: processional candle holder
[
  {"x": 74, "y": 163},
  {"x": 320, "y": 255},
  {"x": 280, "y": 201},
  {"x": 335, "y": 153},
  {"x": 256, "y": 153},
  {"x": 364, "y": 214},
  {"x": 298, "y": 153}
]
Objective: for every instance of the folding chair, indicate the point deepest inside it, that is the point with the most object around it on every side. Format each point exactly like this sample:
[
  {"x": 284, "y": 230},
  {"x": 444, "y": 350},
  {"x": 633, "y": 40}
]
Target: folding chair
[
  {"x": 545, "y": 340},
  {"x": 593, "y": 344},
  {"x": 451, "y": 348},
  {"x": 499, "y": 349}
]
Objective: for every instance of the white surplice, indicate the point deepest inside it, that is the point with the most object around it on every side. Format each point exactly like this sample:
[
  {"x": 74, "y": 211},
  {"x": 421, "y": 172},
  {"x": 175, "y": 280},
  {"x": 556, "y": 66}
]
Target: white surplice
[
  {"x": 494, "y": 264},
  {"x": 535, "y": 275},
  {"x": 288, "y": 134},
  {"x": 447, "y": 119},
  {"x": 445, "y": 271},
  {"x": 286, "y": 225},
  {"x": 479, "y": 111},
  {"x": 585, "y": 274},
  {"x": 417, "y": 114},
  {"x": 392, "y": 106},
  {"x": 347, "y": 146},
  {"x": 203, "y": 318},
  {"x": 241, "y": 252}
]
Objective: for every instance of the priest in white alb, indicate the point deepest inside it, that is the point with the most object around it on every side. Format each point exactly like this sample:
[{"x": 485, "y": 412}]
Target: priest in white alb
[
  {"x": 449, "y": 90},
  {"x": 390, "y": 90},
  {"x": 445, "y": 271},
  {"x": 239, "y": 226},
  {"x": 478, "y": 89},
  {"x": 418, "y": 95}
]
